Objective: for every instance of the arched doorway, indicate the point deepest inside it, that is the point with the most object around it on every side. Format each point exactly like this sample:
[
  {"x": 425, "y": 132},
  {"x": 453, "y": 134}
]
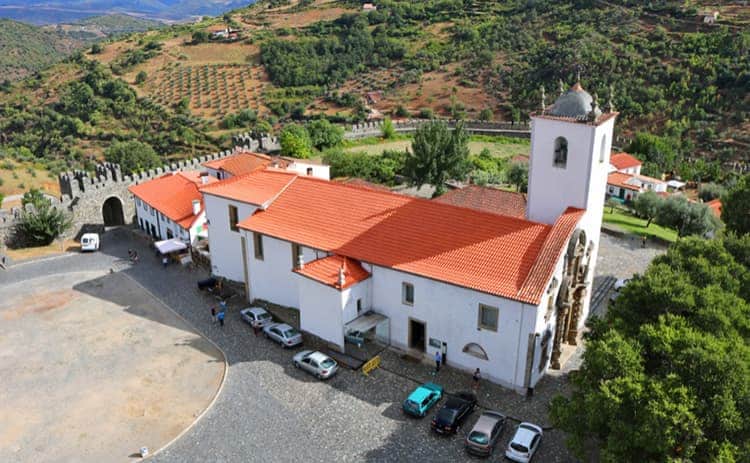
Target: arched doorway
[{"x": 112, "y": 212}]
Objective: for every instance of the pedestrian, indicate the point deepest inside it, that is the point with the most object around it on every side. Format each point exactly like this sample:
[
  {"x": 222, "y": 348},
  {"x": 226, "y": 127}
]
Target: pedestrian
[
  {"x": 256, "y": 329},
  {"x": 438, "y": 359},
  {"x": 221, "y": 318},
  {"x": 164, "y": 261},
  {"x": 135, "y": 257},
  {"x": 213, "y": 314},
  {"x": 643, "y": 241},
  {"x": 475, "y": 380},
  {"x": 130, "y": 254}
]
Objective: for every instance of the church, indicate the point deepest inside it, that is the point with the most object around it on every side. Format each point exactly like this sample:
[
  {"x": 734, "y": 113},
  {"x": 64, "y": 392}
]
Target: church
[{"x": 503, "y": 292}]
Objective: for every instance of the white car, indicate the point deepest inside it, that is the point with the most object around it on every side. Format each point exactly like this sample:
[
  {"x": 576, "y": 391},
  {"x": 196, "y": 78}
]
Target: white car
[
  {"x": 621, "y": 283},
  {"x": 524, "y": 443},
  {"x": 316, "y": 363},
  {"x": 90, "y": 242},
  {"x": 256, "y": 317},
  {"x": 283, "y": 334}
]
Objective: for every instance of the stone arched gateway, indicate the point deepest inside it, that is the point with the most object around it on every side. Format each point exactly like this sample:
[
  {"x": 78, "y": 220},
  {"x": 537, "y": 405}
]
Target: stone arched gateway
[
  {"x": 112, "y": 213},
  {"x": 571, "y": 297}
]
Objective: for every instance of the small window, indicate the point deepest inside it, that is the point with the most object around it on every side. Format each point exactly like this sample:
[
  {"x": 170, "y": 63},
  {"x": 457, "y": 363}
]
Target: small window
[
  {"x": 561, "y": 152},
  {"x": 233, "y": 218},
  {"x": 603, "y": 150},
  {"x": 153, "y": 211},
  {"x": 488, "y": 317},
  {"x": 309, "y": 171},
  {"x": 258, "y": 245},
  {"x": 407, "y": 293},
  {"x": 296, "y": 253},
  {"x": 169, "y": 234}
]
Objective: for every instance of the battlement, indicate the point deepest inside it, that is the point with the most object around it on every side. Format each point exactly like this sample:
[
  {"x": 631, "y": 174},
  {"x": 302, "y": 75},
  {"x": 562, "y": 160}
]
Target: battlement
[{"x": 375, "y": 128}]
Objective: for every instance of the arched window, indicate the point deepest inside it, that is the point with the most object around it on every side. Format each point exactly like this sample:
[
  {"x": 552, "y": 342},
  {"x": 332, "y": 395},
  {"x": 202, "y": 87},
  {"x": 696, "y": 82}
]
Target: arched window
[
  {"x": 561, "y": 152},
  {"x": 603, "y": 149},
  {"x": 475, "y": 350}
]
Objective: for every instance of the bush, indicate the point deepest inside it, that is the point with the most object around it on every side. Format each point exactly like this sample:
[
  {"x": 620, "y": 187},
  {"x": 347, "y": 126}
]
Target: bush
[
  {"x": 295, "y": 141},
  {"x": 42, "y": 225},
  {"x": 711, "y": 191},
  {"x": 132, "y": 156},
  {"x": 401, "y": 111},
  {"x": 388, "y": 130},
  {"x": 96, "y": 48},
  {"x": 141, "y": 77},
  {"x": 486, "y": 115},
  {"x": 325, "y": 135},
  {"x": 426, "y": 113}
]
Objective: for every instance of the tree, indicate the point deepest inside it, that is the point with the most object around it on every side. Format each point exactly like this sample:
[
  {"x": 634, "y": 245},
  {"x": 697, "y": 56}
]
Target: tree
[
  {"x": 42, "y": 224},
  {"x": 486, "y": 114},
  {"x": 647, "y": 206},
  {"x": 437, "y": 155},
  {"x": 387, "y": 129},
  {"x": 325, "y": 135},
  {"x": 735, "y": 207},
  {"x": 132, "y": 156},
  {"x": 710, "y": 191},
  {"x": 200, "y": 37},
  {"x": 659, "y": 153},
  {"x": 666, "y": 374},
  {"x": 295, "y": 141},
  {"x": 35, "y": 197},
  {"x": 686, "y": 217},
  {"x": 96, "y": 48},
  {"x": 141, "y": 77},
  {"x": 518, "y": 175},
  {"x": 78, "y": 100}
]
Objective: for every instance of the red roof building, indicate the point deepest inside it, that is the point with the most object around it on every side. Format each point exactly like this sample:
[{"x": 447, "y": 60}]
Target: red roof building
[
  {"x": 242, "y": 163},
  {"x": 625, "y": 163}
]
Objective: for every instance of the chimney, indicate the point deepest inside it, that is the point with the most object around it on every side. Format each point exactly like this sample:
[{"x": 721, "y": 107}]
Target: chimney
[
  {"x": 204, "y": 178},
  {"x": 196, "y": 207},
  {"x": 342, "y": 277},
  {"x": 300, "y": 262}
]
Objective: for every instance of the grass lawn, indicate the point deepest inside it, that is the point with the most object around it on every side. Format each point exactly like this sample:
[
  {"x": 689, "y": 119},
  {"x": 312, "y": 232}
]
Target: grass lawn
[
  {"x": 503, "y": 148},
  {"x": 632, "y": 224},
  {"x": 56, "y": 247}
]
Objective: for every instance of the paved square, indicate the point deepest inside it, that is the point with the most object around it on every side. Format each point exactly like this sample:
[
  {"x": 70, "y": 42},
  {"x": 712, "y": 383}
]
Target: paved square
[{"x": 93, "y": 368}]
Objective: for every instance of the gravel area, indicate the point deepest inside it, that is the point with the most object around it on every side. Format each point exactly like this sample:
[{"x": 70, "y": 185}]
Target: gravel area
[{"x": 269, "y": 411}]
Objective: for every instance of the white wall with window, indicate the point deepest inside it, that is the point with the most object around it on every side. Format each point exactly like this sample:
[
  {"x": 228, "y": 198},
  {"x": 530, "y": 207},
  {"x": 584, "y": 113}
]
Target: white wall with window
[{"x": 224, "y": 244}]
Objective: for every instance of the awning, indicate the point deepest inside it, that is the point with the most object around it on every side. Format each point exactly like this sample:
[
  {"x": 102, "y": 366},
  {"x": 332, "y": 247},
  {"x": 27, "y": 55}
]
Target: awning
[
  {"x": 170, "y": 245},
  {"x": 366, "y": 322}
]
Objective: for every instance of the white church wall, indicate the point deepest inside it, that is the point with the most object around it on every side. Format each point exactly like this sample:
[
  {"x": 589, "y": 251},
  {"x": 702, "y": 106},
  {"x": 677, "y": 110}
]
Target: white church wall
[
  {"x": 320, "y": 309},
  {"x": 225, "y": 246},
  {"x": 451, "y": 315}
]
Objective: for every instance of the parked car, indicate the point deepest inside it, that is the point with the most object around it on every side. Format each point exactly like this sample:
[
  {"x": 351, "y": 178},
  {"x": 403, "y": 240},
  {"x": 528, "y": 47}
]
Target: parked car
[
  {"x": 619, "y": 284},
  {"x": 283, "y": 334},
  {"x": 483, "y": 437},
  {"x": 316, "y": 363},
  {"x": 524, "y": 443},
  {"x": 90, "y": 242},
  {"x": 256, "y": 317},
  {"x": 453, "y": 412},
  {"x": 422, "y": 399},
  {"x": 355, "y": 337}
]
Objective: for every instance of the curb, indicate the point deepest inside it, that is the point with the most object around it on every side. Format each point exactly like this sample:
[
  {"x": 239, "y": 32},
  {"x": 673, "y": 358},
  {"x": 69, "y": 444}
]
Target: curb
[{"x": 223, "y": 376}]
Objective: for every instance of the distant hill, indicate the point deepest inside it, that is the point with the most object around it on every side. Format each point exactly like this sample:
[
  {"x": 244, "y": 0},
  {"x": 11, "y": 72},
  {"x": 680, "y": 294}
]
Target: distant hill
[
  {"x": 68, "y": 11},
  {"x": 25, "y": 48}
]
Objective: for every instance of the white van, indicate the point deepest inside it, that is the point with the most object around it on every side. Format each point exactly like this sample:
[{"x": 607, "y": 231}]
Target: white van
[{"x": 90, "y": 242}]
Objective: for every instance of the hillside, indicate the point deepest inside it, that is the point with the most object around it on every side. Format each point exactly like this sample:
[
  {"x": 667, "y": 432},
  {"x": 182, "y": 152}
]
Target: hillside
[
  {"x": 682, "y": 81},
  {"x": 25, "y": 49}
]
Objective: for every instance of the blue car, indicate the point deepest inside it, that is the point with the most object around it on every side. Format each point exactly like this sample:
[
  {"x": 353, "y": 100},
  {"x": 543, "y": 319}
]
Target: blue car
[{"x": 422, "y": 399}]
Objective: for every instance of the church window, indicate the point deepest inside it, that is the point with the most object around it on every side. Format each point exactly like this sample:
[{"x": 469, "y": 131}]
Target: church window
[
  {"x": 407, "y": 293},
  {"x": 258, "y": 245},
  {"x": 233, "y": 218},
  {"x": 561, "y": 152},
  {"x": 488, "y": 316},
  {"x": 475, "y": 350}
]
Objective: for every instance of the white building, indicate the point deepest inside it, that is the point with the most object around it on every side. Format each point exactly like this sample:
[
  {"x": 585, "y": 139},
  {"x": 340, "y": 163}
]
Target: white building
[
  {"x": 171, "y": 206},
  {"x": 625, "y": 180},
  {"x": 497, "y": 292},
  {"x": 625, "y": 163},
  {"x": 245, "y": 162}
]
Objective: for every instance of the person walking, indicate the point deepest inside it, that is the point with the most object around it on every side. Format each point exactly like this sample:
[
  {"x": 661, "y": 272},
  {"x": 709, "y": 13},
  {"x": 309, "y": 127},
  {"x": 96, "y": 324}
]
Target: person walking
[
  {"x": 221, "y": 318},
  {"x": 643, "y": 241},
  {"x": 213, "y": 314},
  {"x": 164, "y": 261},
  {"x": 256, "y": 329},
  {"x": 475, "y": 380},
  {"x": 438, "y": 359}
]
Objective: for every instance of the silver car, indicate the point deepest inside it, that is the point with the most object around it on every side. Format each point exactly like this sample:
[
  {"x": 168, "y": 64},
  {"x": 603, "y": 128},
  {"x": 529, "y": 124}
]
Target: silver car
[
  {"x": 316, "y": 363},
  {"x": 525, "y": 443},
  {"x": 256, "y": 317},
  {"x": 483, "y": 437},
  {"x": 283, "y": 334}
]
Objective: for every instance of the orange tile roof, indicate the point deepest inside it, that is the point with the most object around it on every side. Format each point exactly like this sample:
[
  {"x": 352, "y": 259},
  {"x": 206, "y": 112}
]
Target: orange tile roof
[
  {"x": 487, "y": 199},
  {"x": 486, "y": 252},
  {"x": 326, "y": 271},
  {"x": 624, "y": 161},
  {"x": 715, "y": 206},
  {"x": 173, "y": 194},
  {"x": 243, "y": 163},
  {"x": 553, "y": 247},
  {"x": 256, "y": 188},
  {"x": 619, "y": 179}
]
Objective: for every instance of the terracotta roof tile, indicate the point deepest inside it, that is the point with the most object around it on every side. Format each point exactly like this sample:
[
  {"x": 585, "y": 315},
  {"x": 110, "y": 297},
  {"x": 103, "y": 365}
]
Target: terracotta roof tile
[
  {"x": 621, "y": 180},
  {"x": 173, "y": 195},
  {"x": 553, "y": 247},
  {"x": 715, "y": 206},
  {"x": 326, "y": 271},
  {"x": 487, "y": 199},
  {"x": 257, "y": 188},
  {"x": 486, "y": 252},
  {"x": 244, "y": 163},
  {"x": 624, "y": 161}
]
